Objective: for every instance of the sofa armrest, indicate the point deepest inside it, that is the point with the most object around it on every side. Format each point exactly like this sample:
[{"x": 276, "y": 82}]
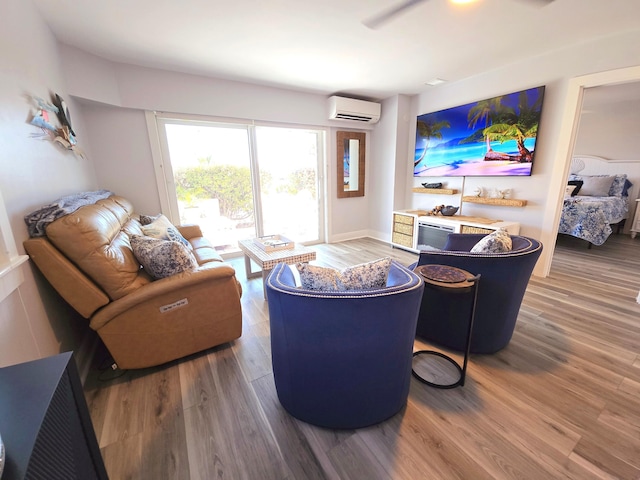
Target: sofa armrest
[
  {"x": 168, "y": 290},
  {"x": 72, "y": 285},
  {"x": 189, "y": 231}
]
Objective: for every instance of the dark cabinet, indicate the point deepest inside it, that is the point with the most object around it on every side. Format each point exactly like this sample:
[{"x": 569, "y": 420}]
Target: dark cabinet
[{"x": 45, "y": 423}]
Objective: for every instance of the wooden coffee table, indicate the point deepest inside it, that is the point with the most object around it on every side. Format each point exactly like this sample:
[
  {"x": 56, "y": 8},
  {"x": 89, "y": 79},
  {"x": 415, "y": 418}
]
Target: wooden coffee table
[{"x": 267, "y": 260}]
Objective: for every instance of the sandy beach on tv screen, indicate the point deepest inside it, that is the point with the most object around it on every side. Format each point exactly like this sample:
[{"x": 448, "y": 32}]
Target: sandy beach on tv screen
[{"x": 478, "y": 169}]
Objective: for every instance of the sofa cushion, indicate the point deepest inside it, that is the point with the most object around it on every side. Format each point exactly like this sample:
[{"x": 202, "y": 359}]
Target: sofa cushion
[
  {"x": 364, "y": 276},
  {"x": 162, "y": 258},
  {"x": 161, "y": 228},
  {"x": 496, "y": 242},
  {"x": 95, "y": 239}
]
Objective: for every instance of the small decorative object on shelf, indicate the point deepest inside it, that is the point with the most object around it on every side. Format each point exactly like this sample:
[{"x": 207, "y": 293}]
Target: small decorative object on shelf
[
  {"x": 477, "y": 192},
  {"x": 432, "y": 185},
  {"x": 446, "y": 210},
  {"x": 272, "y": 243},
  {"x": 504, "y": 193},
  {"x": 500, "y": 193}
]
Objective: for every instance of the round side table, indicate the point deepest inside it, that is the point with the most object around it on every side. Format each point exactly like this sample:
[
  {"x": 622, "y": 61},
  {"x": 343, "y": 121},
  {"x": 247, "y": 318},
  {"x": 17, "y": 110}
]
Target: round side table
[{"x": 450, "y": 280}]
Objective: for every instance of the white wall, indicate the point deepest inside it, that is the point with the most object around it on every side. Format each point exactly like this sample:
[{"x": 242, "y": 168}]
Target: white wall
[
  {"x": 34, "y": 321},
  {"x": 387, "y": 167},
  {"x": 610, "y": 130},
  {"x": 543, "y": 189},
  {"x": 114, "y": 108}
]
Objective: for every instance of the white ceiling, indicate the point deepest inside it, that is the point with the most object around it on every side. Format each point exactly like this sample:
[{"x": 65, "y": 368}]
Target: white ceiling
[{"x": 323, "y": 46}]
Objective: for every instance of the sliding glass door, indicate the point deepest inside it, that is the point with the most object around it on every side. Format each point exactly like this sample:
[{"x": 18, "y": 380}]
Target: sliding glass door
[
  {"x": 240, "y": 181},
  {"x": 288, "y": 162}
]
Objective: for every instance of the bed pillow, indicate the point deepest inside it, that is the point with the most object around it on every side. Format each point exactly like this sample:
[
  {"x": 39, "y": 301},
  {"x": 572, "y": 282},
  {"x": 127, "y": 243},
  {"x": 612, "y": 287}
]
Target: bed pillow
[
  {"x": 162, "y": 258},
  {"x": 625, "y": 189},
  {"x": 577, "y": 185},
  {"x": 596, "y": 186},
  {"x": 364, "y": 276},
  {"x": 617, "y": 187},
  {"x": 496, "y": 242}
]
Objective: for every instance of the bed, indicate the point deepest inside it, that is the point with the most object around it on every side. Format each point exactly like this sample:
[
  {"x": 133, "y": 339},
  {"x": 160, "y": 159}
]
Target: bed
[{"x": 592, "y": 204}]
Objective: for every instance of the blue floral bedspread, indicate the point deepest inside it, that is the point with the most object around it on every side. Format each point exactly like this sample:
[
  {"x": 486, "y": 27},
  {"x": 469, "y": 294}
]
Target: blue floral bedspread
[{"x": 590, "y": 218}]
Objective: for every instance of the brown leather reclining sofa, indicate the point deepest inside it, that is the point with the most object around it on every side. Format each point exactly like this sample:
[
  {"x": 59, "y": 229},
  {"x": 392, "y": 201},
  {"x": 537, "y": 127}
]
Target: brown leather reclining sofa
[{"x": 87, "y": 258}]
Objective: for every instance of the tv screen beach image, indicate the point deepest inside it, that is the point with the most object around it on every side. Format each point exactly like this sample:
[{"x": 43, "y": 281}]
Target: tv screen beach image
[{"x": 491, "y": 137}]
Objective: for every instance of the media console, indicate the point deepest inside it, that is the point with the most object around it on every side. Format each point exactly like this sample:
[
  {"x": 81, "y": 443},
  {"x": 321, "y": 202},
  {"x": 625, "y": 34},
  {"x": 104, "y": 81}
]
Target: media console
[{"x": 413, "y": 229}]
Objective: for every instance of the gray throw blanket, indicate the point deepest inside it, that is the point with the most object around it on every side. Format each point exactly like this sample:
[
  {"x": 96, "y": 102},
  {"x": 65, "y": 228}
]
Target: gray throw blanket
[{"x": 38, "y": 220}]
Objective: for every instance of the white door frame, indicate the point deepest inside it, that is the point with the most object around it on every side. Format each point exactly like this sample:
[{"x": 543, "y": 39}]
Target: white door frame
[{"x": 564, "y": 152}]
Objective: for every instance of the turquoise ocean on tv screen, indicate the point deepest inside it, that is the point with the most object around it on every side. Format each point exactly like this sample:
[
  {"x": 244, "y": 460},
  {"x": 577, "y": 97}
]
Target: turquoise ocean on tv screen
[{"x": 467, "y": 153}]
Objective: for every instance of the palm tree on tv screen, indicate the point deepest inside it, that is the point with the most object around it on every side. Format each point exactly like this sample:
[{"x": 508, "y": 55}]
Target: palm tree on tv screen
[
  {"x": 485, "y": 110},
  {"x": 519, "y": 125},
  {"x": 428, "y": 130}
]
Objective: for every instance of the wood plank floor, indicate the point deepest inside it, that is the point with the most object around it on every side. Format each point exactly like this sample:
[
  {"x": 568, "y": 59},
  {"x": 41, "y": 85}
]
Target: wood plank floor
[{"x": 561, "y": 401}]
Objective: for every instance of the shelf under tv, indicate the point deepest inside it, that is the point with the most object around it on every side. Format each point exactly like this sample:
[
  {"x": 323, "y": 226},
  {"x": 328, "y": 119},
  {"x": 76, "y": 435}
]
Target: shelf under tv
[
  {"x": 436, "y": 191},
  {"x": 504, "y": 202}
]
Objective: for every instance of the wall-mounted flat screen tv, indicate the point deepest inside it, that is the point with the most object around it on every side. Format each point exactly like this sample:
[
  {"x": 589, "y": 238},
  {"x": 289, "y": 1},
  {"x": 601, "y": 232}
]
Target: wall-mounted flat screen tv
[{"x": 491, "y": 137}]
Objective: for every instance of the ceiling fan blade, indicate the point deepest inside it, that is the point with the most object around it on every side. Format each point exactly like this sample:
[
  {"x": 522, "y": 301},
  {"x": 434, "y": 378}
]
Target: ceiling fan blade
[
  {"x": 540, "y": 3},
  {"x": 377, "y": 20}
]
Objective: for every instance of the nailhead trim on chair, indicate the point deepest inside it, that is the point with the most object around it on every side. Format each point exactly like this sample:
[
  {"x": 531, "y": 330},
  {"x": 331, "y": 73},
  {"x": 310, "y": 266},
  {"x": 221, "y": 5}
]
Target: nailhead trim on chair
[{"x": 412, "y": 282}]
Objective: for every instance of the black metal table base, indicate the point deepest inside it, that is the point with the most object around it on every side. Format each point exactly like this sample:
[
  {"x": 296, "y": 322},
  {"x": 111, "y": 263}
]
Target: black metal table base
[
  {"x": 459, "y": 382},
  {"x": 471, "y": 286}
]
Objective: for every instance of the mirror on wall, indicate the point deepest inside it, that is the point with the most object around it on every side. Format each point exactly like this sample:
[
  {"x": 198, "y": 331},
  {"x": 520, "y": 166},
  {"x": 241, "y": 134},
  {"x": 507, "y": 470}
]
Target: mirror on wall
[{"x": 351, "y": 150}]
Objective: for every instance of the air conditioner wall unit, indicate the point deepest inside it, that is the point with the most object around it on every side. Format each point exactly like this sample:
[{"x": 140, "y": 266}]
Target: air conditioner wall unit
[{"x": 343, "y": 108}]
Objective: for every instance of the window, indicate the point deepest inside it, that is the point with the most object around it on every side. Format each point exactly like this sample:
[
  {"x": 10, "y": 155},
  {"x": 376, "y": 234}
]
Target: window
[{"x": 239, "y": 181}]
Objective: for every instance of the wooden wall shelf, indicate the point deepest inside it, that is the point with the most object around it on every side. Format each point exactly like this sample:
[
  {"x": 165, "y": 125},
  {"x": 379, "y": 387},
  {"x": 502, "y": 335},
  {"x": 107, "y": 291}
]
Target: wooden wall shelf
[
  {"x": 436, "y": 191},
  {"x": 504, "y": 202}
]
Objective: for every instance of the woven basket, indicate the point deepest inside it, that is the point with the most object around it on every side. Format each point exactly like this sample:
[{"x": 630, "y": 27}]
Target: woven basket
[{"x": 468, "y": 229}]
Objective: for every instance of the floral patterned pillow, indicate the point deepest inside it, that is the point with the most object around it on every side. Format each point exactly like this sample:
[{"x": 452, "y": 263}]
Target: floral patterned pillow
[
  {"x": 496, "y": 242},
  {"x": 365, "y": 276},
  {"x": 160, "y": 227},
  {"x": 162, "y": 258},
  {"x": 318, "y": 278}
]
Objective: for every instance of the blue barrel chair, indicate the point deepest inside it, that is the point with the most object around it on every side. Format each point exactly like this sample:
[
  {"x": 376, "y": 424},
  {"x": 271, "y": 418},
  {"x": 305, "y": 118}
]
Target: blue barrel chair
[
  {"x": 504, "y": 279},
  {"x": 342, "y": 359}
]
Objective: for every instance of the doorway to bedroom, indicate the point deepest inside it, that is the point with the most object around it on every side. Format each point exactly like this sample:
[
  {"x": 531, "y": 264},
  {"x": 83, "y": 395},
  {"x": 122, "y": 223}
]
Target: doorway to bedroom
[
  {"x": 240, "y": 181},
  {"x": 605, "y": 169}
]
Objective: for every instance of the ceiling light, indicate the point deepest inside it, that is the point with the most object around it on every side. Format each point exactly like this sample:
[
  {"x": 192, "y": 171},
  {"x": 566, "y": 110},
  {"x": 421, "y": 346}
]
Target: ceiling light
[
  {"x": 462, "y": 1},
  {"x": 435, "y": 81}
]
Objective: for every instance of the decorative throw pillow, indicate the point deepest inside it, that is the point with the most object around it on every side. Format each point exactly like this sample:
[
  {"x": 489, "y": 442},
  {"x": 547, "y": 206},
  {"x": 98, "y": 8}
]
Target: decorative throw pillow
[
  {"x": 496, "y": 242},
  {"x": 161, "y": 228},
  {"x": 594, "y": 186},
  {"x": 162, "y": 258},
  {"x": 147, "y": 219},
  {"x": 359, "y": 277},
  {"x": 366, "y": 275},
  {"x": 577, "y": 185},
  {"x": 617, "y": 186},
  {"x": 318, "y": 278}
]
